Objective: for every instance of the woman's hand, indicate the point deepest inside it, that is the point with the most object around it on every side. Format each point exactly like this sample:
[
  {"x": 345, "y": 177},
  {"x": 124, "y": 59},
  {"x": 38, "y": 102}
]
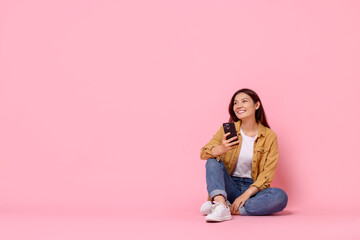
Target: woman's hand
[
  {"x": 225, "y": 145},
  {"x": 239, "y": 202}
]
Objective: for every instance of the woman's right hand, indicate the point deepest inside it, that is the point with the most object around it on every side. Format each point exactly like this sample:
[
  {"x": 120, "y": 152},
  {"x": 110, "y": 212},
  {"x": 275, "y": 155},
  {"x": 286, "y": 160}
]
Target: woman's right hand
[{"x": 225, "y": 146}]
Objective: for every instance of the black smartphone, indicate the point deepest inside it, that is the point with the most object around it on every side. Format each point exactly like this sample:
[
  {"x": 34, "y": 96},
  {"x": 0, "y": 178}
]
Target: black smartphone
[{"x": 230, "y": 127}]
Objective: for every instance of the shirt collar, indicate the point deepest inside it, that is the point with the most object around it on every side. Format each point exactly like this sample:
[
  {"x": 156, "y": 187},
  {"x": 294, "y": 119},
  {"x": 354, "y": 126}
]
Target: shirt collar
[{"x": 261, "y": 130}]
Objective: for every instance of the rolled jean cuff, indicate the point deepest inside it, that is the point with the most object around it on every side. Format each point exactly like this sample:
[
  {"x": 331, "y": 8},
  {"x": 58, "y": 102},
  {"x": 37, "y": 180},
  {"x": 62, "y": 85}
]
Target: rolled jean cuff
[
  {"x": 242, "y": 211},
  {"x": 218, "y": 192}
]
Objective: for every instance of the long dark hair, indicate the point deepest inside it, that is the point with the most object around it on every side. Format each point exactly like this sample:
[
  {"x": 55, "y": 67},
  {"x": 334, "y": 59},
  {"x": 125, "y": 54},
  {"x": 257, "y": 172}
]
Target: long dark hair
[{"x": 260, "y": 112}]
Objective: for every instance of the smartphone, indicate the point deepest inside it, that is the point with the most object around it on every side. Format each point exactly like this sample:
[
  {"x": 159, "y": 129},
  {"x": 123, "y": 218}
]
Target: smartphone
[{"x": 230, "y": 127}]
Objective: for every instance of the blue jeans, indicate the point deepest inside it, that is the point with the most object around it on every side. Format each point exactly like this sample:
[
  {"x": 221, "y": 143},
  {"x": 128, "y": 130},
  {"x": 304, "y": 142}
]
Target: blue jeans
[{"x": 219, "y": 181}]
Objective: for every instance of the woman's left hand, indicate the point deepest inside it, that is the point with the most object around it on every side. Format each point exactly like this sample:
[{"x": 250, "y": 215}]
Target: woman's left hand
[{"x": 239, "y": 202}]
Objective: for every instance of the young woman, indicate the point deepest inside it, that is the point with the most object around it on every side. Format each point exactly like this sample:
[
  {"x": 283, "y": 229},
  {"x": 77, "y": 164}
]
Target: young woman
[{"x": 238, "y": 174}]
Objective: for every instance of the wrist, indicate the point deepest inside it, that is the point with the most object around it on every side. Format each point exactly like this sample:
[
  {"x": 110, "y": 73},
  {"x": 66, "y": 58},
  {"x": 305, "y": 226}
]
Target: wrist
[
  {"x": 247, "y": 193},
  {"x": 218, "y": 150},
  {"x": 251, "y": 191}
]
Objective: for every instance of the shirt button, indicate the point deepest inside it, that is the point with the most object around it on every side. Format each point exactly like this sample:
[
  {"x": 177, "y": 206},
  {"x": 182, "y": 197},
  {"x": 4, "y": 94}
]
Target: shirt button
[{"x": 253, "y": 171}]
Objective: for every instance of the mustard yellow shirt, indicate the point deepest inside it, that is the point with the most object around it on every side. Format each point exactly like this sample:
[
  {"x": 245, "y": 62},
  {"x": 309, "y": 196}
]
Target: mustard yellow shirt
[{"x": 265, "y": 157}]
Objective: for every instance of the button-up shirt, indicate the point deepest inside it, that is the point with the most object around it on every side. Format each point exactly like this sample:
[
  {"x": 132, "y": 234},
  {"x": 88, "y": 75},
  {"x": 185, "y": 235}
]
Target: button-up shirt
[{"x": 265, "y": 158}]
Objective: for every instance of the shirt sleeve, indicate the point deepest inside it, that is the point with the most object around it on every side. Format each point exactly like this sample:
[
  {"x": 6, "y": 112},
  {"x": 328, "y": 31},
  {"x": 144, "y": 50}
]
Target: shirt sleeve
[
  {"x": 205, "y": 151},
  {"x": 267, "y": 175}
]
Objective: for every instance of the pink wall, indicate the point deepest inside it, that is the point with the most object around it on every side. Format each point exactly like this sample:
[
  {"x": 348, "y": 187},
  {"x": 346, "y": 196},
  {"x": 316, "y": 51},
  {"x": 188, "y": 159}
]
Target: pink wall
[{"x": 105, "y": 103}]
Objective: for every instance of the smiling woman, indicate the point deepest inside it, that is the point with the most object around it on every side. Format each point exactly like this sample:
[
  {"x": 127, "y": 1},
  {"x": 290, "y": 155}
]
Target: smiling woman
[{"x": 239, "y": 173}]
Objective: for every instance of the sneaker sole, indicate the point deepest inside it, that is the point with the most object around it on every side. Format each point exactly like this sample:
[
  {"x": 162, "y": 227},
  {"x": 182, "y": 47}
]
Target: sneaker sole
[{"x": 218, "y": 219}]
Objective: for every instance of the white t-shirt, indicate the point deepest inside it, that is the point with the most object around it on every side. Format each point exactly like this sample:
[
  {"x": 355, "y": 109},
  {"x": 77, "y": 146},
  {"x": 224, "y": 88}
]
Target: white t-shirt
[{"x": 244, "y": 163}]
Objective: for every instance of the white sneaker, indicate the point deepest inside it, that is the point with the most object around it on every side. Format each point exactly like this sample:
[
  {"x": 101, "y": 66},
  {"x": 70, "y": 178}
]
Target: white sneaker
[
  {"x": 206, "y": 207},
  {"x": 218, "y": 213}
]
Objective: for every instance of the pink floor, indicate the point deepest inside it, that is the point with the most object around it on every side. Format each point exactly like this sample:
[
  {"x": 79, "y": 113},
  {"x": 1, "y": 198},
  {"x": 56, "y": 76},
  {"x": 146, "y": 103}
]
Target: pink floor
[{"x": 133, "y": 222}]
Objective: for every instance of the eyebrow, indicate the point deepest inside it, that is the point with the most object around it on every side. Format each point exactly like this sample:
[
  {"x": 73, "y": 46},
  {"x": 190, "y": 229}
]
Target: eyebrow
[{"x": 241, "y": 99}]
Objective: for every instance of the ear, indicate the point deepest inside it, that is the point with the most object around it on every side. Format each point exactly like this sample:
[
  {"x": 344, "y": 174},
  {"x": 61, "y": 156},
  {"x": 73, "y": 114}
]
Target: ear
[{"x": 257, "y": 105}]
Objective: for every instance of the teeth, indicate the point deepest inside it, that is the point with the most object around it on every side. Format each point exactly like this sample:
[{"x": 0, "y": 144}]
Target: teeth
[{"x": 240, "y": 111}]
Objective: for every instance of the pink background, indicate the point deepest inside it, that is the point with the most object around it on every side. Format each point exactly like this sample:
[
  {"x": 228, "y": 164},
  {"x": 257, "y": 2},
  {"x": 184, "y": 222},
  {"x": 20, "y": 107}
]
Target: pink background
[{"x": 105, "y": 105}]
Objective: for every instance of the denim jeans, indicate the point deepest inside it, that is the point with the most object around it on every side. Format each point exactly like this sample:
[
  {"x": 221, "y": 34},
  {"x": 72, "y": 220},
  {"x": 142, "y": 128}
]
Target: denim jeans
[{"x": 219, "y": 181}]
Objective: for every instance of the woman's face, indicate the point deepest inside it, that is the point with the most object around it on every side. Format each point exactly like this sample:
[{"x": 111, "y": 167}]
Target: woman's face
[{"x": 244, "y": 106}]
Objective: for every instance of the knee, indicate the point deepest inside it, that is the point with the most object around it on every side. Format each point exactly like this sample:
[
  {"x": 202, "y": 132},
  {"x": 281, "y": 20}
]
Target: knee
[
  {"x": 211, "y": 163},
  {"x": 281, "y": 197}
]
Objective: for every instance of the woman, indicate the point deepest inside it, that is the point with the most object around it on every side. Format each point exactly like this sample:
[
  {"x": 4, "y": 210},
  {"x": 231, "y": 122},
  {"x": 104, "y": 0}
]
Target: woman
[{"x": 238, "y": 174}]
